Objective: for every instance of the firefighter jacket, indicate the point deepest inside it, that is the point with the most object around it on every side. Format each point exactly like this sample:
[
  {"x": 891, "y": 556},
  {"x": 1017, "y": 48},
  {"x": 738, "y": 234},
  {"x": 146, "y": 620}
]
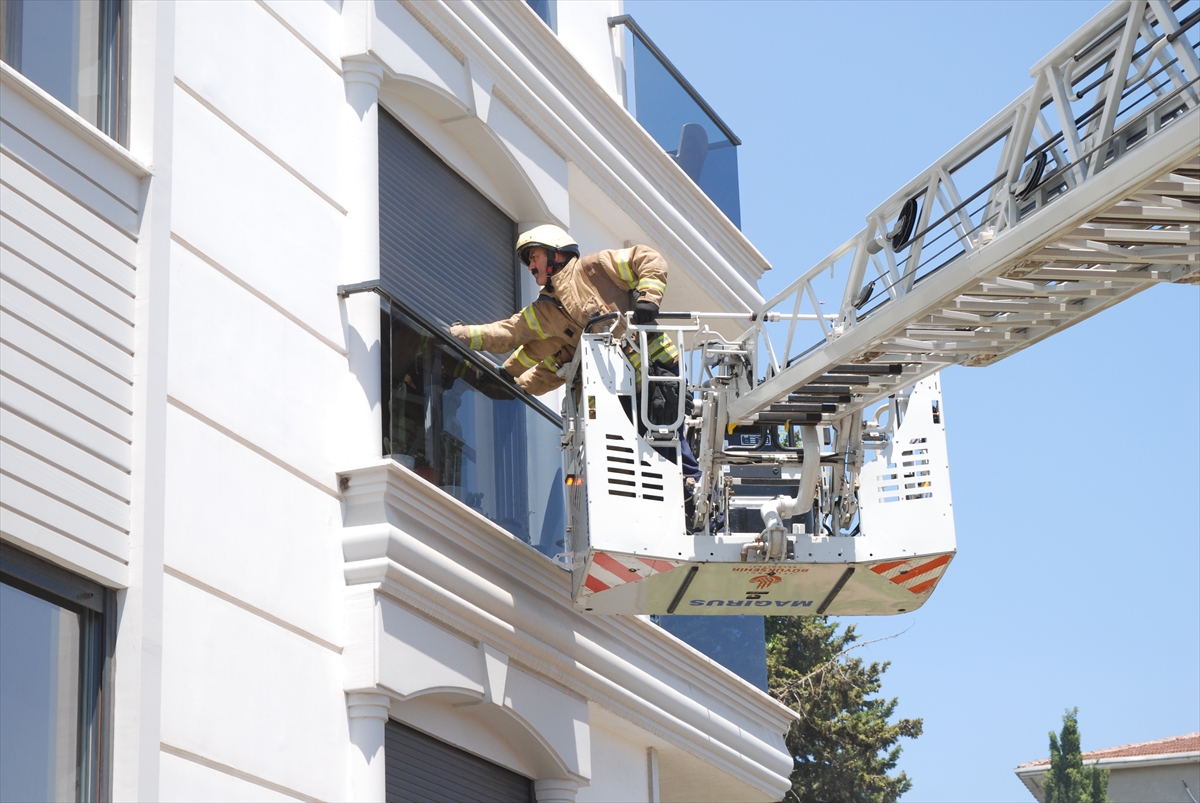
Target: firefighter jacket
[{"x": 544, "y": 335}]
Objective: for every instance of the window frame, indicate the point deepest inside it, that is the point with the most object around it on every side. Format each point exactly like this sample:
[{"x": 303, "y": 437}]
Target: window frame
[
  {"x": 96, "y": 607},
  {"x": 112, "y": 81},
  {"x": 476, "y": 358}
]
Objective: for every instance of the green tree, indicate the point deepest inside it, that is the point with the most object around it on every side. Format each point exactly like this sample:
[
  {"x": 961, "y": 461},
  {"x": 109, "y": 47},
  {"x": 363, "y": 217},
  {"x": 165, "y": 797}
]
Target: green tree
[
  {"x": 1068, "y": 781},
  {"x": 842, "y": 745}
]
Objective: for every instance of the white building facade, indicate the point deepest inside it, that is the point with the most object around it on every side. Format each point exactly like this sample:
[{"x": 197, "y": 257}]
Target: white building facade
[{"x": 266, "y": 534}]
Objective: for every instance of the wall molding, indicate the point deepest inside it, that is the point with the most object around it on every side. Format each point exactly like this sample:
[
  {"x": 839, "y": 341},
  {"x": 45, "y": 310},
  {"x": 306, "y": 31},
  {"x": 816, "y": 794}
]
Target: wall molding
[{"x": 421, "y": 548}]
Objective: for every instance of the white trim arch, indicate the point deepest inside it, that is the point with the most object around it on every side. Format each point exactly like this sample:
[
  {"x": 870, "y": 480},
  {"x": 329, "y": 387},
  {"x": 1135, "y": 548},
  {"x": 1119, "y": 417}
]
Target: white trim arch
[
  {"x": 443, "y": 683},
  {"x": 402, "y": 665},
  {"x": 496, "y": 153},
  {"x": 449, "y": 101},
  {"x": 497, "y": 150},
  {"x": 491, "y": 731}
]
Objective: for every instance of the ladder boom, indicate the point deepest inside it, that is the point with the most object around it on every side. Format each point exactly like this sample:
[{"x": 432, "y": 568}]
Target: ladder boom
[{"x": 1077, "y": 213}]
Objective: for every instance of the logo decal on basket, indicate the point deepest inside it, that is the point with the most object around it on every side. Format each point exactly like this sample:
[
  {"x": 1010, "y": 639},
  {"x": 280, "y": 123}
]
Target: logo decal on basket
[{"x": 766, "y": 580}]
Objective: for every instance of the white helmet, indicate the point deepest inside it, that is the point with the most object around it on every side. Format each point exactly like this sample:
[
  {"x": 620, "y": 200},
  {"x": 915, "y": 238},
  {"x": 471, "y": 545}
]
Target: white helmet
[{"x": 550, "y": 237}]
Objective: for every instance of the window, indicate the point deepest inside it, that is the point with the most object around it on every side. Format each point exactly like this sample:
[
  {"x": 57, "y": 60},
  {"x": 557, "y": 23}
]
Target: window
[
  {"x": 75, "y": 50},
  {"x": 446, "y": 252},
  {"x": 54, "y": 656},
  {"x": 464, "y": 428}
]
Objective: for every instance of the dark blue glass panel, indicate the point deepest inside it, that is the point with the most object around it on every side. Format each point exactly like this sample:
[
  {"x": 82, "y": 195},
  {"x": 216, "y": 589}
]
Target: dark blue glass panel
[
  {"x": 664, "y": 108},
  {"x": 545, "y": 10},
  {"x": 736, "y": 642},
  {"x": 461, "y": 428},
  {"x": 720, "y": 180}
]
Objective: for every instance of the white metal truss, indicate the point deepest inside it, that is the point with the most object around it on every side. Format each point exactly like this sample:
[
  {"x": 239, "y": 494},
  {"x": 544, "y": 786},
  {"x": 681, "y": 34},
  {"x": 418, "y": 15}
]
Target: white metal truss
[{"x": 1082, "y": 192}]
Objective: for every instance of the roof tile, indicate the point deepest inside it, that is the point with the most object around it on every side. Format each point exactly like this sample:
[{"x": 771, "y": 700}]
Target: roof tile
[{"x": 1187, "y": 743}]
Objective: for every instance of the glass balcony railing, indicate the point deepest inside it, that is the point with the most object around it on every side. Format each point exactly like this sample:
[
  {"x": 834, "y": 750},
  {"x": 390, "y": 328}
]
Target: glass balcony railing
[
  {"x": 463, "y": 427},
  {"x": 680, "y": 120},
  {"x": 547, "y": 10}
]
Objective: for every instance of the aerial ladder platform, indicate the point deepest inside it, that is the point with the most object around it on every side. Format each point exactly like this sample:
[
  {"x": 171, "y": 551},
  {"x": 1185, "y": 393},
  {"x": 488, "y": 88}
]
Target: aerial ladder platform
[{"x": 820, "y": 430}]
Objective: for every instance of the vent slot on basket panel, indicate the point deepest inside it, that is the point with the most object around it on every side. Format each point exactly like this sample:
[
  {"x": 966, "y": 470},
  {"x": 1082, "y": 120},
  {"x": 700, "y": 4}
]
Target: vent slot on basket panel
[
  {"x": 622, "y": 472},
  {"x": 909, "y": 479}
]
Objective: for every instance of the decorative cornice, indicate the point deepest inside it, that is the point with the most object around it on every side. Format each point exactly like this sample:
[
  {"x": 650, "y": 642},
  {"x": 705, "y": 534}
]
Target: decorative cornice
[
  {"x": 433, "y": 554},
  {"x": 573, "y": 675}
]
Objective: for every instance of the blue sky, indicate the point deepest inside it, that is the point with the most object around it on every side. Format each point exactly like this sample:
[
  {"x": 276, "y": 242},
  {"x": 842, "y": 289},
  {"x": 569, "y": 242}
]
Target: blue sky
[{"x": 1075, "y": 464}]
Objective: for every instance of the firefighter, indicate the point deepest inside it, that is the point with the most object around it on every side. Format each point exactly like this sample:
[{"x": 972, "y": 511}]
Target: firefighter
[{"x": 574, "y": 290}]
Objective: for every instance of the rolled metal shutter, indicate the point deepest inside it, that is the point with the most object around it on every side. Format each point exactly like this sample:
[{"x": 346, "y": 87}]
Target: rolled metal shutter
[
  {"x": 444, "y": 249},
  {"x": 421, "y": 769}
]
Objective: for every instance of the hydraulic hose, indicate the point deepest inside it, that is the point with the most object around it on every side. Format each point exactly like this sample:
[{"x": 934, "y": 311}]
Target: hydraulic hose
[{"x": 783, "y": 507}]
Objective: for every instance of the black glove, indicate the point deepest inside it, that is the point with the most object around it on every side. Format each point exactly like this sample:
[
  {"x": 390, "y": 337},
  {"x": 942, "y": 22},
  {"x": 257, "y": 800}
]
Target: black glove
[{"x": 644, "y": 312}]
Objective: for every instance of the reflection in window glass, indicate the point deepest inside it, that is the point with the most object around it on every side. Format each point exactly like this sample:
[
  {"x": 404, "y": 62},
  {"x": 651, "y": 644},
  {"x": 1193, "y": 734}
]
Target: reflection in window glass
[
  {"x": 467, "y": 432},
  {"x": 685, "y": 130},
  {"x": 71, "y": 49},
  {"x": 546, "y": 10},
  {"x": 736, "y": 642},
  {"x": 40, "y": 697}
]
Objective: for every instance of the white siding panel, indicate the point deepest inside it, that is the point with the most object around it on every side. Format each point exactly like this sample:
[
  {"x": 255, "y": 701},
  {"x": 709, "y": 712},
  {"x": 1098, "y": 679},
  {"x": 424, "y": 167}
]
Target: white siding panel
[
  {"x": 85, "y": 222},
  {"x": 37, "y": 313},
  {"x": 65, "y": 377},
  {"x": 55, "y": 290},
  {"x": 67, "y": 147},
  {"x": 32, "y": 248},
  {"x": 68, "y": 456},
  {"x": 262, "y": 77},
  {"x": 117, "y": 266},
  {"x": 59, "y": 484},
  {"x": 56, "y": 515},
  {"x": 63, "y": 418},
  {"x": 69, "y": 214},
  {"x": 273, "y": 233},
  {"x": 60, "y": 414},
  {"x": 64, "y": 550},
  {"x": 224, "y": 499},
  {"x": 22, "y": 155},
  {"x": 72, "y": 221},
  {"x": 243, "y": 692}
]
